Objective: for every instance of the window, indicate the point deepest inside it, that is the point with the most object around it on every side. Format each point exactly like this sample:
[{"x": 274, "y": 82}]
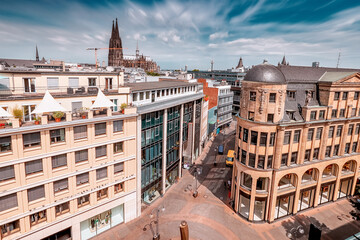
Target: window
[
  {"x": 272, "y": 139},
  {"x": 33, "y": 167},
  {"x": 270, "y": 118},
  {"x": 147, "y": 94},
  {"x": 62, "y": 208},
  {"x": 101, "y": 173},
  {"x": 339, "y": 131},
  {"x": 357, "y": 129},
  {"x": 251, "y": 116},
  {"x": 243, "y": 156},
  {"x": 318, "y": 133},
  {"x": 118, "y": 168},
  {"x": 356, "y": 95},
  {"x": 5, "y": 144},
  {"x": 100, "y": 151},
  {"x": 36, "y": 193},
  {"x": 331, "y": 131},
  {"x": 27, "y": 109},
  {"x": 310, "y": 135},
  {"x": 31, "y": 139},
  {"x": 347, "y": 148},
  {"x": 272, "y": 97},
  {"x": 29, "y": 85},
  {"x": 269, "y": 162},
  {"x": 291, "y": 115},
  {"x": 316, "y": 154},
  {"x": 336, "y": 150},
  {"x": 254, "y": 137},
  {"x": 10, "y": 228},
  {"x": 252, "y": 160},
  {"x": 82, "y": 179},
  {"x": 81, "y": 156},
  {"x": 239, "y": 132},
  {"x": 57, "y": 135},
  {"x": 296, "y": 136},
  {"x": 354, "y": 147},
  {"x": 313, "y": 115},
  {"x": 118, "y": 125},
  {"x": 118, "y": 147},
  {"x": 336, "y": 95},
  {"x": 287, "y": 136},
  {"x": 7, "y": 173},
  {"x": 263, "y": 139},
  {"x": 80, "y": 132},
  {"x": 351, "y": 129},
  {"x": 353, "y": 112},
  {"x": 328, "y": 151},
  {"x": 284, "y": 158},
  {"x": 92, "y": 82},
  {"x": 8, "y": 202},
  {"x": 59, "y": 161},
  {"x": 245, "y": 135},
  {"x": 135, "y": 97},
  {"x": 252, "y": 96},
  {"x": 61, "y": 185},
  {"x": 100, "y": 128},
  {"x": 141, "y": 96},
  {"x": 261, "y": 161},
  {"x": 73, "y": 82},
  {"x": 342, "y": 112},
  {"x": 118, "y": 188},
  {"x": 103, "y": 193},
  {"x": 293, "y": 159},
  {"x": 83, "y": 200},
  {"x": 344, "y": 95},
  {"x": 307, "y": 155},
  {"x": 321, "y": 114},
  {"x": 53, "y": 83}
]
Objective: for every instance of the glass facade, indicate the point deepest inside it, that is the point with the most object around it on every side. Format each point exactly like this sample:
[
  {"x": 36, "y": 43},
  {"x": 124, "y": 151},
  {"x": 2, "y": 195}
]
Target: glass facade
[
  {"x": 326, "y": 193},
  {"x": 284, "y": 205},
  {"x": 244, "y": 204},
  {"x": 345, "y": 187},
  {"x": 306, "y": 198}
]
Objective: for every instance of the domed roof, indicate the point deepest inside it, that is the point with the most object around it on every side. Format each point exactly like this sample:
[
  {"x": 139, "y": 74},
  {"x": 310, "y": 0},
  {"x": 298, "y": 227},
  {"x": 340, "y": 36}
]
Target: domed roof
[{"x": 266, "y": 73}]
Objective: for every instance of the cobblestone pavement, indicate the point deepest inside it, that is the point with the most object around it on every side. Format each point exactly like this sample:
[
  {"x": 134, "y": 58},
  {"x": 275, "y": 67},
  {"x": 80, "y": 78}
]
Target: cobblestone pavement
[{"x": 210, "y": 218}]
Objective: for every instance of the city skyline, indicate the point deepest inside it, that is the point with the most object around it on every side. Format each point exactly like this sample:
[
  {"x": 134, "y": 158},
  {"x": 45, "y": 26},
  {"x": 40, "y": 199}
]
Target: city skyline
[{"x": 179, "y": 33}]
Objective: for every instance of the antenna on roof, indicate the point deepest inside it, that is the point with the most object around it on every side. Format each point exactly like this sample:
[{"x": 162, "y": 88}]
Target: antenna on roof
[{"x": 338, "y": 61}]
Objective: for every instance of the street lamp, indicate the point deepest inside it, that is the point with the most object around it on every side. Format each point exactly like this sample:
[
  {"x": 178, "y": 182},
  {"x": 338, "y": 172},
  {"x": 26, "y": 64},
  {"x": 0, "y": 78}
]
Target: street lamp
[
  {"x": 156, "y": 235},
  {"x": 197, "y": 172}
]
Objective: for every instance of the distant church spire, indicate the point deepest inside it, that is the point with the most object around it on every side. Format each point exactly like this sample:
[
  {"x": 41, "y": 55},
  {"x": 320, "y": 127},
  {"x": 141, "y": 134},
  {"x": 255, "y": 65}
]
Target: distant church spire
[
  {"x": 37, "y": 54},
  {"x": 115, "y": 57},
  {"x": 117, "y": 30},
  {"x": 240, "y": 64},
  {"x": 113, "y": 30},
  {"x": 283, "y": 62}
]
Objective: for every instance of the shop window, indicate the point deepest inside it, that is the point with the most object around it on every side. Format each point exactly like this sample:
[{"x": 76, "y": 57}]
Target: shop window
[
  {"x": 7, "y": 173},
  {"x": 326, "y": 193},
  {"x": 345, "y": 187},
  {"x": 61, "y": 185},
  {"x": 10, "y": 228},
  {"x": 5, "y": 144},
  {"x": 296, "y": 136},
  {"x": 244, "y": 204},
  {"x": 36, "y": 193},
  {"x": 81, "y": 156},
  {"x": 259, "y": 209},
  {"x": 8, "y": 202},
  {"x": 82, "y": 179},
  {"x": 80, "y": 132},
  {"x": 100, "y": 151},
  {"x": 100, "y": 129},
  {"x": 62, "y": 209},
  {"x": 100, "y": 221},
  {"x": 284, "y": 205},
  {"x": 83, "y": 200},
  {"x": 287, "y": 136},
  {"x": 306, "y": 198},
  {"x": 37, "y": 218},
  {"x": 101, "y": 194},
  {"x": 59, "y": 161},
  {"x": 31, "y": 140},
  {"x": 57, "y": 135},
  {"x": 118, "y": 188}
]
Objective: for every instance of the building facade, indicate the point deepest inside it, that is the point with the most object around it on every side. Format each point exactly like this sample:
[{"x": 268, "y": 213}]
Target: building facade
[
  {"x": 172, "y": 126},
  {"x": 74, "y": 178},
  {"x": 297, "y": 140}
]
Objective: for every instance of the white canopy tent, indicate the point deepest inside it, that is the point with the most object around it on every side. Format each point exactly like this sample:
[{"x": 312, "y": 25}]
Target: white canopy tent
[
  {"x": 102, "y": 101},
  {"x": 4, "y": 114},
  {"x": 48, "y": 104}
]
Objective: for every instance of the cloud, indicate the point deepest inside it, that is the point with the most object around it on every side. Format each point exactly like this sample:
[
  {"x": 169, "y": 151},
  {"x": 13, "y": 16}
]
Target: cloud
[
  {"x": 218, "y": 35},
  {"x": 138, "y": 36}
]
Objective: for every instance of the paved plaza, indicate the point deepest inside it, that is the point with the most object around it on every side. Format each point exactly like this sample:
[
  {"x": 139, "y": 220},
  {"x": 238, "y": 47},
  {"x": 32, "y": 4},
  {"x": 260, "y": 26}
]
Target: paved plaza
[{"x": 210, "y": 217}]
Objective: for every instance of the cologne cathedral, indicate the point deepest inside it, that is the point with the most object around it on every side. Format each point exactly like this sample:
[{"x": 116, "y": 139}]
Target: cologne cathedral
[{"x": 117, "y": 58}]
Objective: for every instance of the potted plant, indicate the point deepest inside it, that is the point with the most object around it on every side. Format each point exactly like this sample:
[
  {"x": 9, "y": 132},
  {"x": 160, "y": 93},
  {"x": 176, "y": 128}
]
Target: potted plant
[
  {"x": 17, "y": 112},
  {"x": 83, "y": 112},
  {"x": 58, "y": 115},
  {"x": 37, "y": 120},
  {"x": 206, "y": 98},
  {"x": 2, "y": 125},
  {"x": 123, "y": 106}
]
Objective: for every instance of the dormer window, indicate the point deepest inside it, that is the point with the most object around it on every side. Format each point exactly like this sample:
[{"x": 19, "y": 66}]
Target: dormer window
[
  {"x": 291, "y": 95},
  {"x": 291, "y": 115}
]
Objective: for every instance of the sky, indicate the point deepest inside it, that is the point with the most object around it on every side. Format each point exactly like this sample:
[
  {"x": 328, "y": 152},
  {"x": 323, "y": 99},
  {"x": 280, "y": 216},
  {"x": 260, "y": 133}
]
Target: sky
[{"x": 177, "y": 33}]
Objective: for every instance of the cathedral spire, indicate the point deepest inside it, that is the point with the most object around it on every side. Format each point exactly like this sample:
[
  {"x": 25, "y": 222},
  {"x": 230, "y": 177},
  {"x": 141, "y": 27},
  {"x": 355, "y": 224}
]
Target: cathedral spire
[
  {"x": 117, "y": 30},
  {"x": 112, "y": 30},
  {"x": 37, "y": 54}
]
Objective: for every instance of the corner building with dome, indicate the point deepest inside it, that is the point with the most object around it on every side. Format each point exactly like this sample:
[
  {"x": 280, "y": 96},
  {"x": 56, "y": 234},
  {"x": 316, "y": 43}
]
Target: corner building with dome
[{"x": 297, "y": 140}]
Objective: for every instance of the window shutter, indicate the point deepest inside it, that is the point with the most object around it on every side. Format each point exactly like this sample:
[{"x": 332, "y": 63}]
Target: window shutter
[
  {"x": 80, "y": 132},
  {"x": 53, "y": 82},
  {"x": 119, "y": 167},
  {"x": 82, "y": 178},
  {"x": 58, "y": 161},
  {"x": 60, "y": 185},
  {"x": 76, "y": 106},
  {"x": 36, "y": 193},
  {"x": 100, "y": 151},
  {"x": 8, "y": 202},
  {"x": 31, "y": 138},
  {"x": 33, "y": 166},
  {"x": 73, "y": 82},
  {"x": 101, "y": 173},
  {"x": 7, "y": 173},
  {"x": 81, "y": 156},
  {"x": 118, "y": 125},
  {"x": 100, "y": 128}
]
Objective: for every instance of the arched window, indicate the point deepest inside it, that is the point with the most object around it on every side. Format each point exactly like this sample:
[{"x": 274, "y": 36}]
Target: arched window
[
  {"x": 349, "y": 167},
  {"x": 310, "y": 176},
  {"x": 287, "y": 181},
  {"x": 330, "y": 171}
]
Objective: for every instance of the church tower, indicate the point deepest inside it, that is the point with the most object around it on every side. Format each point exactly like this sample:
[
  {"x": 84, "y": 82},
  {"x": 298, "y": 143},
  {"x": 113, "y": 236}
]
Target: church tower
[{"x": 115, "y": 57}]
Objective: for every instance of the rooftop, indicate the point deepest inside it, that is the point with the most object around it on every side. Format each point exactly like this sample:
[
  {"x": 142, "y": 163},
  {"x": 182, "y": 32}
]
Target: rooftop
[
  {"x": 157, "y": 85},
  {"x": 334, "y": 76}
]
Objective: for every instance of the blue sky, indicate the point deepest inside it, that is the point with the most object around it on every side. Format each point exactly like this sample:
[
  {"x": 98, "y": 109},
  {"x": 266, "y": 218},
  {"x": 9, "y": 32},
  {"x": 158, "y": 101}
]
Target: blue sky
[{"x": 178, "y": 33}]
